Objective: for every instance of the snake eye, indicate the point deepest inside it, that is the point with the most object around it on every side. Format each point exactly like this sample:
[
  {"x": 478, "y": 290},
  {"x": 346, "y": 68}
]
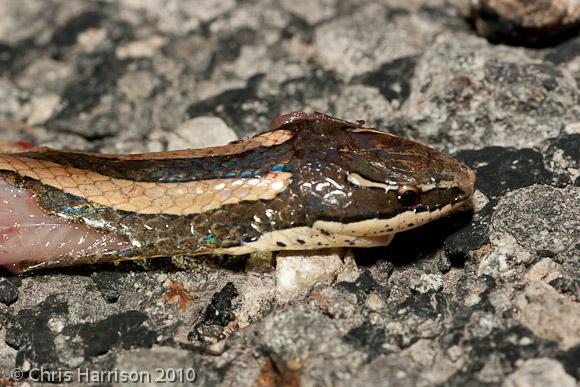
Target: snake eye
[{"x": 408, "y": 195}]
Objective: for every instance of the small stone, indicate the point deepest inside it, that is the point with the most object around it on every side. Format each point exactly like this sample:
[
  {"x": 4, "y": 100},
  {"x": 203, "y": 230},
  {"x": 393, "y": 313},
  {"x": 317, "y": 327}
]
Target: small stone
[
  {"x": 90, "y": 40},
  {"x": 479, "y": 201},
  {"x": 220, "y": 310},
  {"x": 141, "y": 49},
  {"x": 312, "y": 11},
  {"x": 429, "y": 282},
  {"x": 540, "y": 372},
  {"x": 536, "y": 22},
  {"x": 525, "y": 341},
  {"x": 350, "y": 271},
  {"x": 297, "y": 272},
  {"x": 200, "y": 132},
  {"x": 549, "y": 315},
  {"x": 375, "y": 302},
  {"x": 42, "y": 109},
  {"x": 504, "y": 255},
  {"x": 455, "y": 352},
  {"x": 137, "y": 85},
  {"x": 217, "y": 348},
  {"x": 545, "y": 270}
]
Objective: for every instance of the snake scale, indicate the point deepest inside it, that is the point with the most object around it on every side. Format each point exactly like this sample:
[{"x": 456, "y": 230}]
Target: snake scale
[{"x": 311, "y": 181}]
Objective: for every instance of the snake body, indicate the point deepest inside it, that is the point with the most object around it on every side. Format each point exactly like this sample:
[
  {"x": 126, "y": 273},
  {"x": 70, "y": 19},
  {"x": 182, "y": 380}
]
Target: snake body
[{"x": 312, "y": 181}]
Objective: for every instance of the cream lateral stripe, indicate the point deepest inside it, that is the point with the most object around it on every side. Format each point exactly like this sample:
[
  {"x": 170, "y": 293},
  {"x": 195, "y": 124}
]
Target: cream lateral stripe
[
  {"x": 266, "y": 140},
  {"x": 360, "y": 181},
  {"x": 146, "y": 197},
  {"x": 357, "y": 179},
  {"x": 375, "y": 227},
  {"x": 371, "y": 130}
]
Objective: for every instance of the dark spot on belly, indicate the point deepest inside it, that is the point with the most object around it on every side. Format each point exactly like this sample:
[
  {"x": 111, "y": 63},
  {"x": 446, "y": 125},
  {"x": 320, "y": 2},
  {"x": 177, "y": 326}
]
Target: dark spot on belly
[
  {"x": 324, "y": 232},
  {"x": 281, "y": 244},
  {"x": 300, "y": 241}
]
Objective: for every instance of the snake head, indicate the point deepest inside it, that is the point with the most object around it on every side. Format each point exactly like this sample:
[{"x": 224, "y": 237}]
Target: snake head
[
  {"x": 422, "y": 177},
  {"x": 384, "y": 178}
]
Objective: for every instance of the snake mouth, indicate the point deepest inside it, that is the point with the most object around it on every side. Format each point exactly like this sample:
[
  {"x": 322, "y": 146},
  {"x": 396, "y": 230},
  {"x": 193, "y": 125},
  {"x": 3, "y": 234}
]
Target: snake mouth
[
  {"x": 465, "y": 187},
  {"x": 467, "y": 183}
]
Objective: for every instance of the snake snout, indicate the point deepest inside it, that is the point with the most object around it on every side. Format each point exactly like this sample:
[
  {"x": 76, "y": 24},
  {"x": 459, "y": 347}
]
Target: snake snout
[{"x": 466, "y": 183}]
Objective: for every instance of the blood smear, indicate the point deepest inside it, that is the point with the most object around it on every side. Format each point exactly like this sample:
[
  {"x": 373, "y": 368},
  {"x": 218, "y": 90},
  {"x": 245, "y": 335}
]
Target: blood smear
[{"x": 29, "y": 235}]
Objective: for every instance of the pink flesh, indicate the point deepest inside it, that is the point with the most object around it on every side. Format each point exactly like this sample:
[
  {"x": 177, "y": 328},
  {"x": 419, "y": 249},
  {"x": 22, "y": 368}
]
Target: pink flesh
[{"x": 28, "y": 235}]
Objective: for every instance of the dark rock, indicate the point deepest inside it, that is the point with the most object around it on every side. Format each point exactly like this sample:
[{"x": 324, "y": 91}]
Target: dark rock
[
  {"x": 563, "y": 157},
  {"x": 417, "y": 244},
  {"x": 564, "y": 53},
  {"x": 500, "y": 170},
  {"x": 66, "y": 35},
  {"x": 364, "y": 285},
  {"x": 546, "y": 253},
  {"x": 85, "y": 93},
  {"x": 570, "y": 362},
  {"x": 125, "y": 330},
  {"x": 431, "y": 305},
  {"x": 108, "y": 283},
  {"x": 219, "y": 311},
  {"x": 504, "y": 344},
  {"x": 298, "y": 27},
  {"x": 570, "y": 146},
  {"x": 216, "y": 316},
  {"x": 469, "y": 238},
  {"x": 567, "y": 286},
  {"x": 30, "y": 334},
  {"x": 229, "y": 46},
  {"x": 8, "y": 291},
  {"x": 393, "y": 79},
  {"x": 7, "y": 57},
  {"x": 367, "y": 339},
  {"x": 229, "y": 106}
]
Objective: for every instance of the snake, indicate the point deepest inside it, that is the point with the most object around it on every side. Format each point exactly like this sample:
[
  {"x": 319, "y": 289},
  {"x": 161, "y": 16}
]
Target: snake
[{"x": 311, "y": 181}]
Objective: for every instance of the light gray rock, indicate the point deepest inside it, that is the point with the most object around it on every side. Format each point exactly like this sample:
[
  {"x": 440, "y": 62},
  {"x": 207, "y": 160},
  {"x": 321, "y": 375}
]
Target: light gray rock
[
  {"x": 360, "y": 42},
  {"x": 549, "y": 315},
  {"x": 540, "y": 372},
  {"x": 156, "y": 367},
  {"x": 468, "y": 94},
  {"x": 540, "y": 217}
]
